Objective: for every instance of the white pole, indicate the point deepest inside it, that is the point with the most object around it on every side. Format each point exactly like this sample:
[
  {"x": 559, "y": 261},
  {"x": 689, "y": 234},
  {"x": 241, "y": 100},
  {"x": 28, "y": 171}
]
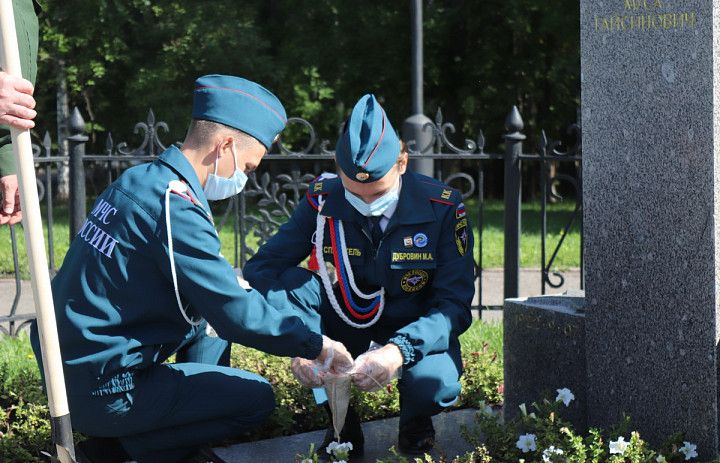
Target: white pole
[{"x": 35, "y": 243}]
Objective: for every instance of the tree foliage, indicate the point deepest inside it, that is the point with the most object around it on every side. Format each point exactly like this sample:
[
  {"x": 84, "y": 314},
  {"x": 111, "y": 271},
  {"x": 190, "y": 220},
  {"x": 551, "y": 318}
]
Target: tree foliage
[{"x": 481, "y": 57}]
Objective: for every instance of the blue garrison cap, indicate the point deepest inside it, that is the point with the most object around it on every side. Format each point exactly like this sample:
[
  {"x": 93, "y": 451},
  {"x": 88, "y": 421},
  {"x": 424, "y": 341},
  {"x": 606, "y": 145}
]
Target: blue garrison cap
[
  {"x": 368, "y": 146},
  {"x": 241, "y": 104}
]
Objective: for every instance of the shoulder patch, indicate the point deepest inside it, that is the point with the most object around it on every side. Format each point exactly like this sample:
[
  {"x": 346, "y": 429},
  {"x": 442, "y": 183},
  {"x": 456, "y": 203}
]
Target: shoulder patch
[
  {"x": 181, "y": 189},
  {"x": 320, "y": 187},
  {"x": 443, "y": 194}
]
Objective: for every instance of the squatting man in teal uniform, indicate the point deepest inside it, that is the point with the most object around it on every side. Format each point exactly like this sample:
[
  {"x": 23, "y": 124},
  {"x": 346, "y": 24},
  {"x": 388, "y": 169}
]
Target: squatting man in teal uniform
[
  {"x": 144, "y": 277},
  {"x": 402, "y": 251}
]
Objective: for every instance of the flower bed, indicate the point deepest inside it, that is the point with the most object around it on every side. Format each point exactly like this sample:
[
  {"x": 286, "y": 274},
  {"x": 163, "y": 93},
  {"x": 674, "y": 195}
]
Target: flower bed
[{"x": 24, "y": 417}]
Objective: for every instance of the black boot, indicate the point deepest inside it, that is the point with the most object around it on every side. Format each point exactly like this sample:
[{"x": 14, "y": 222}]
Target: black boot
[
  {"x": 351, "y": 432},
  {"x": 101, "y": 450},
  {"x": 417, "y": 436}
]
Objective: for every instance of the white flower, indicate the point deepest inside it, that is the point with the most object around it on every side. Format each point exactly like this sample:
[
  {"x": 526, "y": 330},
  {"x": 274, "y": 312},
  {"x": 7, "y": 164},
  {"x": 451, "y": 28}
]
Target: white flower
[
  {"x": 661, "y": 459},
  {"x": 565, "y": 396},
  {"x": 346, "y": 446},
  {"x": 486, "y": 409},
  {"x": 689, "y": 450},
  {"x": 549, "y": 452},
  {"x": 523, "y": 409},
  {"x": 526, "y": 443},
  {"x": 339, "y": 450},
  {"x": 331, "y": 447},
  {"x": 619, "y": 446}
]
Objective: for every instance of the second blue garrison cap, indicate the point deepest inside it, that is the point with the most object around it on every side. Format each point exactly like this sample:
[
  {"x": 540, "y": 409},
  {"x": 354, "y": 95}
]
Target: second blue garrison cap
[
  {"x": 368, "y": 146},
  {"x": 241, "y": 104}
]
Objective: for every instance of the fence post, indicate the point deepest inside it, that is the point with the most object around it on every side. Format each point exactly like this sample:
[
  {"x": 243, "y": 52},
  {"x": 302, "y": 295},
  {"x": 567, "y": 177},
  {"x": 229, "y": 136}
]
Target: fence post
[
  {"x": 513, "y": 186},
  {"x": 77, "y": 140},
  {"x": 414, "y": 128}
]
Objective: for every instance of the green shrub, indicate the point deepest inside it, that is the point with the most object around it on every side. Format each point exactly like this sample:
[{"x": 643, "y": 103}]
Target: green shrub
[
  {"x": 25, "y": 432},
  {"x": 479, "y": 455}
]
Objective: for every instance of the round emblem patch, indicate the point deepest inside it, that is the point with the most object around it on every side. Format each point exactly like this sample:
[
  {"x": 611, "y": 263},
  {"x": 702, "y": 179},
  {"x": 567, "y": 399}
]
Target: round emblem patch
[
  {"x": 414, "y": 280},
  {"x": 362, "y": 176},
  {"x": 420, "y": 240}
]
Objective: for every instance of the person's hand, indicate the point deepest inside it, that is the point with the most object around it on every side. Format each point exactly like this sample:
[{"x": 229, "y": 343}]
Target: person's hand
[
  {"x": 10, "y": 212},
  {"x": 376, "y": 368},
  {"x": 334, "y": 357},
  {"x": 307, "y": 372},
  {"x": 17, "y": 105}
]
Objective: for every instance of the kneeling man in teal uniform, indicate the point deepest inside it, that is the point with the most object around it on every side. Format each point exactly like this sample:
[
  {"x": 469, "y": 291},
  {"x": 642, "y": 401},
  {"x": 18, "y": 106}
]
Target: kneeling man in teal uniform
[
  {"x": 401, "y": 249},
  {"x": 143, "y": 278}
]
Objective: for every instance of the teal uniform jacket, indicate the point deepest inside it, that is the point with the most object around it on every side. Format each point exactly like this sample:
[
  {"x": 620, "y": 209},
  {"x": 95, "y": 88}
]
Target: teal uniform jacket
[
  {"x": 424, "y": 261},
  {"x": 114, "y": 298}
]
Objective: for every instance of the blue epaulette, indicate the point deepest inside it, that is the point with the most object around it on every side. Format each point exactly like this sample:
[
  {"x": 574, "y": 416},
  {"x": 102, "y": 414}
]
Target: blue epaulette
[
  {"x": 319, "y": 187},
  {"x": 441, "y": 193}
]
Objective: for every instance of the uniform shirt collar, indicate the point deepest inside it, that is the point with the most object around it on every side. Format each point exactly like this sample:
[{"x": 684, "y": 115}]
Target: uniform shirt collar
[
  {"x": 177, "y": 161},
  {"x": 414, "y": 205}
]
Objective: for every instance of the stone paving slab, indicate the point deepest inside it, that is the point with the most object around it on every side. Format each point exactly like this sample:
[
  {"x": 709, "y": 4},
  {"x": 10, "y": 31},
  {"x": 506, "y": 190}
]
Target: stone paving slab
[{"x": 380, "y": 435}]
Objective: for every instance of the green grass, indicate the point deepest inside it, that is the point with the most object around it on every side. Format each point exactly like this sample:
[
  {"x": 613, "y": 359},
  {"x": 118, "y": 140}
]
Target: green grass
[
  {"x": 493, "y": 238},
  {"x": 481, "y": 333}
]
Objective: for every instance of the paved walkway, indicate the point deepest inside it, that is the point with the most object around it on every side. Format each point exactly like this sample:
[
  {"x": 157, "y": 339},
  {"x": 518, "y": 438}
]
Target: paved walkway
[
  {"x": 379, "y": 437},
  {"x": 492, "y": 289}
]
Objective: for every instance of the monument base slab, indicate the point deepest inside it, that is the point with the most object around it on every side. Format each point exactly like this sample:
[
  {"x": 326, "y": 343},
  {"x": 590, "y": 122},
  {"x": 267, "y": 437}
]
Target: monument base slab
[{"x": 544, "y": 351}]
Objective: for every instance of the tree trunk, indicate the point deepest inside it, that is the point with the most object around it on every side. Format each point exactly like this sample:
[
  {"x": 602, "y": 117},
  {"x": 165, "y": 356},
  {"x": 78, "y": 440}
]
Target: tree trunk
[{"x": 63, "y": 116}]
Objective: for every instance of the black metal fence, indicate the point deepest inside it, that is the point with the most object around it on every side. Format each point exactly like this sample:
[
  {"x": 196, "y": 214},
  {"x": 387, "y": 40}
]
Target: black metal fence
[{"x": 270, "y": 197}]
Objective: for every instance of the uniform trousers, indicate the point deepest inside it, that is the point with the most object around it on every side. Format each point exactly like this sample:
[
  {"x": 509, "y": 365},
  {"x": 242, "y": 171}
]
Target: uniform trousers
[{"x": 175, "y": 409}]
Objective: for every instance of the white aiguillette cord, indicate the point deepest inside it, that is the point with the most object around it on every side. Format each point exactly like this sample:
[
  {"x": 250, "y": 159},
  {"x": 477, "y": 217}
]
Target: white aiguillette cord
[
  {"x": 319, "y": 237},
  {"x": 178, "y": 187}
]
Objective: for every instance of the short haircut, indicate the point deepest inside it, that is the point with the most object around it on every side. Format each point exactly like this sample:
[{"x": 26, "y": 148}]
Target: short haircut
[{"x": 200, "y": 131}]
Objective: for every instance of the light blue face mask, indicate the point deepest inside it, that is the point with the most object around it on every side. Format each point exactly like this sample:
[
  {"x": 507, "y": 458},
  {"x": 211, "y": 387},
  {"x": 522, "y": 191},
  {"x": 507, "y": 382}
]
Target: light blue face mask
[
  {"x": 217, "y": 188},
  {"x": 377, "y": 207}
]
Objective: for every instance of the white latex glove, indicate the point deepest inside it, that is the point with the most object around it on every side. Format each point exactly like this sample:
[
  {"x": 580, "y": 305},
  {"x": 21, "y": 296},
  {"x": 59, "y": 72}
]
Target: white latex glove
[
  {"x": 333, "y": 359},
  {"x": 377, "y": 367},
  {"x": 307, "y": 372}
]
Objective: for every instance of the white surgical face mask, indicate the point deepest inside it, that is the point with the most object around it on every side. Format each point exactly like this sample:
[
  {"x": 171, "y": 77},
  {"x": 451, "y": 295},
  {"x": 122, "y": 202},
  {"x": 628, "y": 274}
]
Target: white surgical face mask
[
  {"x": 217, "y": 188},
  {"x": 377, "y": 207}
]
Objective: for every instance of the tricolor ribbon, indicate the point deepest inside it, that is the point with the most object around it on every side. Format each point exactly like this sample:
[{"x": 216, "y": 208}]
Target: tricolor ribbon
[{"x": 346, "y": 279}]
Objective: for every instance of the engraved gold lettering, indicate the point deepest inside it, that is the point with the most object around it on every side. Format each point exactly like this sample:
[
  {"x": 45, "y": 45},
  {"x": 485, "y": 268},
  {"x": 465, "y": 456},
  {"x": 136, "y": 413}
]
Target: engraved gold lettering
[{"x": 646, "y": 21}]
